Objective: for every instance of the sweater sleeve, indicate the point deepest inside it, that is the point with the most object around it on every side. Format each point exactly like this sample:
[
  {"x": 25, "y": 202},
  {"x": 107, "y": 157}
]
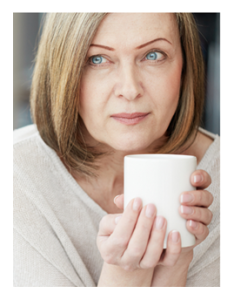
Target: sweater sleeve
[
  {"x": 43, "y": 253},
  {"x": 45, "y": 250},
  {"x": 204, "y": 270},
  {"x": 208, "y": 271},
  {"x": 31, "y": 269}
]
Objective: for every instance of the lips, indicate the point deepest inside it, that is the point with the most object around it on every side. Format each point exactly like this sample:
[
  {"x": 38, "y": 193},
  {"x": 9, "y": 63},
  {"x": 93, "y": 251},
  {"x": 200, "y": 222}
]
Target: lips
[
  {"x": 130, "y": 119},
  {"x": 130, "y": 116}
]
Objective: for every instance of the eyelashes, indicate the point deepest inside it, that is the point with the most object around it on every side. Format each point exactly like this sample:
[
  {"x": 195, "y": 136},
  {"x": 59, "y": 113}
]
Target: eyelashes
[
  {"x": 154, "y": 56},
  {"x": 98, "y": 58}
]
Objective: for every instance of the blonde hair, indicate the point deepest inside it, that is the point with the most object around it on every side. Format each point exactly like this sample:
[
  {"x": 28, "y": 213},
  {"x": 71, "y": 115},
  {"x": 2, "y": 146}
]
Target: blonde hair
[{"x": 54, "y": 98}]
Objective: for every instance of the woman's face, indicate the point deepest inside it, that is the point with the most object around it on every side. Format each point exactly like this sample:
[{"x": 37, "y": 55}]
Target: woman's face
[{"x": 134, "y": 66}]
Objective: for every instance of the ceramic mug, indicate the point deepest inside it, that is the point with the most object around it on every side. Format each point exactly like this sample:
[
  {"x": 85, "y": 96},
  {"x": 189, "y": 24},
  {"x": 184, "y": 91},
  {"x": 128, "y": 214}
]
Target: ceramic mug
[{"x": 160, "y": 179}]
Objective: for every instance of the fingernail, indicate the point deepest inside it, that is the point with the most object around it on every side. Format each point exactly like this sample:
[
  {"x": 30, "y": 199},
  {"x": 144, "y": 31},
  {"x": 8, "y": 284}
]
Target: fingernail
[
  {"x": 186, "y": 198},
  {"x": 117, "y": 219},
  {"x": 175, "y": 236},
  {"x": 116, "y": 198},
  {"x": 150, "y": 210},
  {"x": 197, "y": 178},
  {"x": 136, "y": 204},
  {"x": 159, "y": 222},
  {"x": 186, "y": 210},
  {"x": 193, "y": 224}
]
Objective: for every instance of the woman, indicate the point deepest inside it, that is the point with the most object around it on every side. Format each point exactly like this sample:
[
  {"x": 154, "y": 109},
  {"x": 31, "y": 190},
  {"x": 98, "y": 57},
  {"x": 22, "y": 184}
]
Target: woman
[{"x": 105, "y": 86}]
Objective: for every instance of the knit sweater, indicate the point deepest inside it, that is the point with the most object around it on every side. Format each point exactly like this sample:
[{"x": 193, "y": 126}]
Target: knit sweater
[{"x": 56, "y": 222}]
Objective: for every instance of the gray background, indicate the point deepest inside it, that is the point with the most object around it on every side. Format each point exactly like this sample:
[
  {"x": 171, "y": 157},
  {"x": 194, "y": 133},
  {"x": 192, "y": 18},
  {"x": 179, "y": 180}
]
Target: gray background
[{"x": 26, "y": 35}]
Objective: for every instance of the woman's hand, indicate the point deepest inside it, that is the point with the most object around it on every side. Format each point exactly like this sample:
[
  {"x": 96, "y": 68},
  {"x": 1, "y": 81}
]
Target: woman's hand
[
  {"x": 131, "y": 240},
  {"x": 195, "y": 210},
  {"x": 177, "y": 260},
  {"x": 130, "y": 245},
  {"x": 195, "y": 205}
]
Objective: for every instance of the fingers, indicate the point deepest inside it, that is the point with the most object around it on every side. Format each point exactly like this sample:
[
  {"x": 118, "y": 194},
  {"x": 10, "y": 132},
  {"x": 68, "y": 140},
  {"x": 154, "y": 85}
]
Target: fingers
[
  {"x": 172, "y": 253},
  {"x": 200, "y": 230},
  {"x": 197, "y": 197},
  {"x": 155, "y": 244},
  {"x": 139, "y": 240},
  {"x": 195, "y": 206},
  {"x": 119, "y": 239},
  {"x": 119, "y": 201},
  {"x": 132, "y": 239},
  {"x": 200, "y": 179},
  {"x": 108, "y": 224},
  {"x": 199, "y": 214}
]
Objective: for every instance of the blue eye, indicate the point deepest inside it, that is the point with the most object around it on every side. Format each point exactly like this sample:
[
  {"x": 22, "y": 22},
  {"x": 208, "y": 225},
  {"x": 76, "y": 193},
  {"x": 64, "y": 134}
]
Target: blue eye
[
  {"x": 96, "y": 59},
  {"x": 152, "y": 56}
]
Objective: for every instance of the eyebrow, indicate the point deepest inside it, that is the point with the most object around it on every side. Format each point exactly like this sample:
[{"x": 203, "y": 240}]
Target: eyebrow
[{"x": 139, "y": 47}]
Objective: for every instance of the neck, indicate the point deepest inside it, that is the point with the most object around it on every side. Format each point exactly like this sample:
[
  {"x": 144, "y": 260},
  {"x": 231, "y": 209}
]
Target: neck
[
  {"x": 106, "y": 185},
  {"x": 109, "y": 181}
]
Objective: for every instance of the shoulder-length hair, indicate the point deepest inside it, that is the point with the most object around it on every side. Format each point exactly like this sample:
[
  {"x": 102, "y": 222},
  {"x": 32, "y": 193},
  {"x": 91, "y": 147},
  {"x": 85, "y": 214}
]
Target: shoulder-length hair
[{"x": 54, "y": 98}]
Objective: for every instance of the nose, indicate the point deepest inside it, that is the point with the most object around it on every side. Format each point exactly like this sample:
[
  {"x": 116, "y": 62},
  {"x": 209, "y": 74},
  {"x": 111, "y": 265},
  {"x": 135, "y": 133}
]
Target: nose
[{"x": 128, "y": 86}]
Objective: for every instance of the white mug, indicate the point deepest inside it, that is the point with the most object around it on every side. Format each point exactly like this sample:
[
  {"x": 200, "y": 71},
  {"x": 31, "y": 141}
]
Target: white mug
[{"x": 160, "y": 179}]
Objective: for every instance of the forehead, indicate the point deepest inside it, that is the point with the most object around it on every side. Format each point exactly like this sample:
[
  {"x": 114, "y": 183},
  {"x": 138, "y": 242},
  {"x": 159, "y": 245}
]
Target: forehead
[{"x": 136, "y": 28}]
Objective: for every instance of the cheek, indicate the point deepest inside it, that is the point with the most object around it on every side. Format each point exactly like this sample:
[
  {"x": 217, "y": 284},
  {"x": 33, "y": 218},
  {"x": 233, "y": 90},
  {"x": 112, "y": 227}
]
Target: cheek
[
  {"x": 165, "y": 90},
  {"x": 172, "y": 90},
  {"x": 92, "y": 105},
  {"x": 93, "y": 92},
  {"x": 88, "y": 98}
]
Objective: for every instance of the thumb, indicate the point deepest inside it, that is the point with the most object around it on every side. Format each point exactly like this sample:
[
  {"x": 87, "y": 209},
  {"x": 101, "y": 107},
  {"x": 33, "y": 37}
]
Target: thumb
[{"x": 119, "y": 201}]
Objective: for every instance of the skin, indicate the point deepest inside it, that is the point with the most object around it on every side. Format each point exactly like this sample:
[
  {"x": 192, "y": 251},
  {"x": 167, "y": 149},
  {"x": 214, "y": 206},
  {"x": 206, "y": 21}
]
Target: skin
[{"x": 127, "y": 81}]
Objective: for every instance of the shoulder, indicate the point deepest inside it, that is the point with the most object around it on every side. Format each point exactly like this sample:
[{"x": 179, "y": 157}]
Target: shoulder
[
  {"x": 30, "y": 172},
  {"x": 31, "y": 155},
  {"x": 206, "y": 254},
  {"x": 210, "y": 162},
  {"x": 205, "y": 147},
  {"x": 38, "y": 172},
  {"x": 24, "y": 133},
  {"x": 210, "y": 143},
  {"x": 24, "y": 149},
  {"x": 25, "y": 142},
  {"x": 34, "y": 172},
  {"x": 47, "y": 208}
]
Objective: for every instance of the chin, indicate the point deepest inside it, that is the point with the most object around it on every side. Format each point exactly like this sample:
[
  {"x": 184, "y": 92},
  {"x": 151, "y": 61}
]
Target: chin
[
  {"x": 132, "y": 146},
  {"x": 140, "y": 143}
]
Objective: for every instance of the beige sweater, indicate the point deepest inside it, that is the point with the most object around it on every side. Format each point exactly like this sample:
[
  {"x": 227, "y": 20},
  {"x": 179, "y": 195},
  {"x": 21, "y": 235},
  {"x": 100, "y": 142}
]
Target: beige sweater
[{"x": 56, "y": 222}]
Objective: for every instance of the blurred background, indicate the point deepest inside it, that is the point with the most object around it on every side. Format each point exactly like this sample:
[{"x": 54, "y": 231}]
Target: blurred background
[{"x": 26, "y": 35}]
